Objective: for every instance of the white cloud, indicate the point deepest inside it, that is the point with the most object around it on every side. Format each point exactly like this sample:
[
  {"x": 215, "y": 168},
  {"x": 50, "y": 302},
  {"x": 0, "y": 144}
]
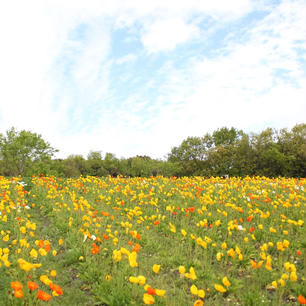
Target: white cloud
[
  {"x": 166, "y": 24},
  {"x": 25, "y": 56},
  {"x": 129, "y": 58},
  {"x": 91, "y": 55},
  {"x": 165, "y": 35}
]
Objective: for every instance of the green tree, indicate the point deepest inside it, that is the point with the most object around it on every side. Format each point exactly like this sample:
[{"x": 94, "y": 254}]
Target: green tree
[
  {"x": 74, "y": 166},
  {"x": 20, "y": 151},
  {"x": 220, "y": 161},
  {"x": 191, "y": 154},
  {"x": 293, "y": 145},
  {"x": 95, "y": 164},
  {"x": 244, "y": 159},
  {"x": 269, "y": 160},
  {"x": 222, "y": 156},
  {"x": 226, "y": 136},
  {"x": 111, "y": 164}
]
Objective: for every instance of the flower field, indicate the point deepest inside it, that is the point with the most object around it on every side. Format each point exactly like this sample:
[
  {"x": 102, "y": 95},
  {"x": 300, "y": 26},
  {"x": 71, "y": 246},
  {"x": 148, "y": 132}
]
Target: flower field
[{"x": 153, "y": 241}]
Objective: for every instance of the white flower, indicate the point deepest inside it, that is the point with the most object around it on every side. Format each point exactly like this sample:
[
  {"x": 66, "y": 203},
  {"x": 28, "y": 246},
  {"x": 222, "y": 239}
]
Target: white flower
[
  {"x": 240, "y": 228},
  {"x": 93, "y": 237},
  {"x": 85, "y": 237}
]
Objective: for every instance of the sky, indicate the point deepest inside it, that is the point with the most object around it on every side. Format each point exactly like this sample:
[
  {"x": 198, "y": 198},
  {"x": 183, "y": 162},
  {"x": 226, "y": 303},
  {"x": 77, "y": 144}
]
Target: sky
[{"x": 137, "y": 77}]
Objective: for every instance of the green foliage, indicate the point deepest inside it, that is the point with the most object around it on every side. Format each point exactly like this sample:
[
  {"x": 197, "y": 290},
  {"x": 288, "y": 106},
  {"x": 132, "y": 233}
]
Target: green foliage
[
  {"x": 225, "y": 136},
  {"x": 21, "y": 151},
  {"x": 74, "y": 165},
  {"x": 270, "y": 153}
]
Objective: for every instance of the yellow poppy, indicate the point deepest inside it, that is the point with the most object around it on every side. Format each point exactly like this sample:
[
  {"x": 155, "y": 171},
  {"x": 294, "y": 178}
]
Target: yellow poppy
[
  {"x": 148, "y": 299},
  {"x": 220, "y": 288}
]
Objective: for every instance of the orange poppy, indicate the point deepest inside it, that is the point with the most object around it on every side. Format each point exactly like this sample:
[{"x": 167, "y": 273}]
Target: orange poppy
[
  {"x": 95, "y": 250},
  {"x": 256, "y": 265},
  {"x": 191, "y": 209},
  {"x": 302, "y": 299},
  {"x": 56, "y": 288},
  {"x": 136, "y": 248},
  {"x": 151, "y": 291},
  {"x": 41, "y": 243},
  {"x": 41, "y": 295},
  {"x": 16, "y": 286},
  {"x": 18, "y": 294},
  {"x": 250, "y": 218},
  {"x": 47, "y": 247},
  {"x": 32, "y": 285},
  {"x": 99, "y": 239}
]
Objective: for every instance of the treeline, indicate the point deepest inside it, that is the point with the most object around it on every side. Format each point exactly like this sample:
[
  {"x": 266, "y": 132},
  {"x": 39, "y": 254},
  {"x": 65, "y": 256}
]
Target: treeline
[{"x": 271, "y": 153}]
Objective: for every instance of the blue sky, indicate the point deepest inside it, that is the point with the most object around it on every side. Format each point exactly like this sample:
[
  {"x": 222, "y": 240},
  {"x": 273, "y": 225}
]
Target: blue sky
[{"x": 138, "y": 77}]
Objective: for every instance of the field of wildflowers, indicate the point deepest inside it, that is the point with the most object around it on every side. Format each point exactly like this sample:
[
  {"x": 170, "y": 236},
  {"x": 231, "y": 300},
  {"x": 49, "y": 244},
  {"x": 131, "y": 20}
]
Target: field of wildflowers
[{"x": 160, "y": 241}]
